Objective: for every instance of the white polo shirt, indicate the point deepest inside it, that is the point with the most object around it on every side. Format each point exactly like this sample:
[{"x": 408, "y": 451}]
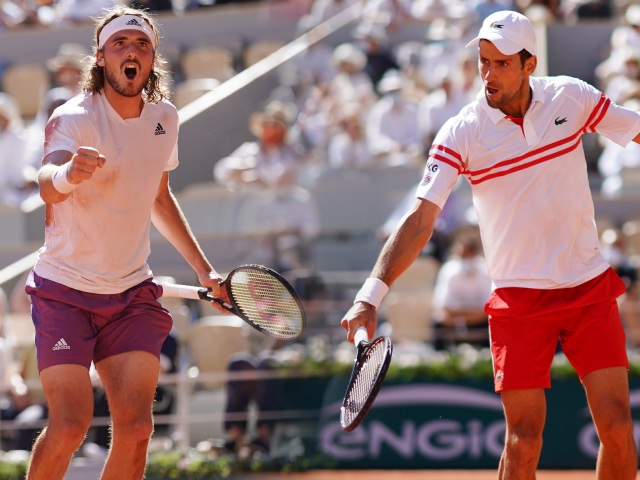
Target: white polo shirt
[
  {"x": 97, "y": 240},
  {"x": 530, "y": 186}
]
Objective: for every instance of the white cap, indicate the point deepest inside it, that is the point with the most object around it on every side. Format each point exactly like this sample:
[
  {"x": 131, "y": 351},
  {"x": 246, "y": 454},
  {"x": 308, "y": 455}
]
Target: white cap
[
  {"x": 509, "y": 31},
  {"x": 632, "y": 14},
  {"x": 391, "y": 81}
]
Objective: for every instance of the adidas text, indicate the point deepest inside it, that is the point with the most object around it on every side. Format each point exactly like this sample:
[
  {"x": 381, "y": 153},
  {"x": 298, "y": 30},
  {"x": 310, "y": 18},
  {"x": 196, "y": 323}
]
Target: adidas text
[
  {"x": 61, "y": 345},
  {"x": 159, "y": 130}
]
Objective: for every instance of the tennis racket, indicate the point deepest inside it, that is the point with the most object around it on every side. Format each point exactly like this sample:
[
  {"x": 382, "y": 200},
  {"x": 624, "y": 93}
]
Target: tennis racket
[
  {"x": 370, "y": 367},
  {"x": 258, "y": 295}
]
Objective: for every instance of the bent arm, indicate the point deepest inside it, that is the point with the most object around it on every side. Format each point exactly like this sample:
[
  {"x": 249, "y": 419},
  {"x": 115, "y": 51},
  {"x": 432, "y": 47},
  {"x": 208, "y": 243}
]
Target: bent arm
[{"x": 71, "y": 169}]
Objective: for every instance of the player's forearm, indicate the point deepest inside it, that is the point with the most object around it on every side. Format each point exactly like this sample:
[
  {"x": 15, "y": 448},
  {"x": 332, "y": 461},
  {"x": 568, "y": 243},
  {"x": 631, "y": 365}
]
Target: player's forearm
[
  {"x": 405, "y": 244},
  {"x": 172, "y": 224},
  {"x": 48, "y": 193}
]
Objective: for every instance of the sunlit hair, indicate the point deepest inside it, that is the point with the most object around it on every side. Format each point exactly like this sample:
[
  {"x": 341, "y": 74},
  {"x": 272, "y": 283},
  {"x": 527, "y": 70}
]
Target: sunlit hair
[{"x": 93, "y": 76}]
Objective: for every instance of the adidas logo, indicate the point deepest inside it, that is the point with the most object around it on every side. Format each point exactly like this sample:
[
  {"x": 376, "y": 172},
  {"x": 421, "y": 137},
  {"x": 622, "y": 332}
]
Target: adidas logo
[
  {"x": 133, "y": 21},
  {"x": 61, "y": 345},
  {"x": 159, "y": 130}
]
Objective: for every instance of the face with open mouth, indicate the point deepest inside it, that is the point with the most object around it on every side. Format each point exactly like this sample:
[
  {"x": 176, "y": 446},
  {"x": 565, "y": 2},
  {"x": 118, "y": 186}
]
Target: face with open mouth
[
  {"x": 127, "y": 59},
  {"x": 506, "y": 83}
]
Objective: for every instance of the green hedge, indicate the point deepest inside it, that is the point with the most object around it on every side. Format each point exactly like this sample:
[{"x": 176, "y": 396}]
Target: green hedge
[{"x": 12, "y": 470}]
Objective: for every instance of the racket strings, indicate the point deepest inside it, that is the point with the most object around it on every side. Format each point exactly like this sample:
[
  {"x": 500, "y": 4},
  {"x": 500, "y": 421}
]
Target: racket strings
[
  {"x": 266, "y": 302},
  {"x": 365, "y": 382}
]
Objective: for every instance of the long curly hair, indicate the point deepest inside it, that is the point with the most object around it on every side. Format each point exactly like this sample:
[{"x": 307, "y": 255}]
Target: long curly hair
[{"x": 93, "y": 76}]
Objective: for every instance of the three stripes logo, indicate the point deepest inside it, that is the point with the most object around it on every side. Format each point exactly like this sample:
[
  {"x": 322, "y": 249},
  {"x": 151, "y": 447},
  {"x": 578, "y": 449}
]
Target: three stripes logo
[
  {"x": 159, "y": 130},
  {"x": 133, "y": 21},
  {"x": 61, "y": 345}
]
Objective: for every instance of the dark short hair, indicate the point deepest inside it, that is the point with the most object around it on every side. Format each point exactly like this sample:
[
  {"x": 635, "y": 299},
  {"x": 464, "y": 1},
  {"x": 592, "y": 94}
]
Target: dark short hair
[{"x": 524, "y": 56}]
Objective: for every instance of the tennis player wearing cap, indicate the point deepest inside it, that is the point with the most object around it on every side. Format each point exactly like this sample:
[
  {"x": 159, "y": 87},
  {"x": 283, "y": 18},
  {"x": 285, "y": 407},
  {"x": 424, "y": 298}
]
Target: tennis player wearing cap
[
  {"x": 519, "y": 146},
  {"x": 104, "y": 179}
]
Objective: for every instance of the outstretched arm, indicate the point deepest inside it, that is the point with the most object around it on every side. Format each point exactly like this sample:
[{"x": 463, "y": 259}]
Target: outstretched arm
[
  {"x": 398, "y": 253},
  {"x": 172, "y": 224}
]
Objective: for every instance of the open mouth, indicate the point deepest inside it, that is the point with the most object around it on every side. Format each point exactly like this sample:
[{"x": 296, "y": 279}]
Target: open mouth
[
  {"x": 490, "y": 90},
  {"x": 130, "y": 71}
]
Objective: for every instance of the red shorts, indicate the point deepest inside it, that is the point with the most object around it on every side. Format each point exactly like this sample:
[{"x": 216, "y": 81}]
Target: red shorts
[
  {"x": 525, "y": 325},
  {"x": 74, "y": 327}
]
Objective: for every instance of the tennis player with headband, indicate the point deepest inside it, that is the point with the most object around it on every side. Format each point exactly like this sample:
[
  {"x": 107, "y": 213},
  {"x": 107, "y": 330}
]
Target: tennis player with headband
[
  {"x": 519, "y": 144},
  {"x": 105, "y": 179}
]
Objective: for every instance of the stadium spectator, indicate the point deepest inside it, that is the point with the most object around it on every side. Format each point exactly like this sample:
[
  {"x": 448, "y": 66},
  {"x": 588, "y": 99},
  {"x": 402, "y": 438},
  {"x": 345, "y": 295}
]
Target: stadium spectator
[
  {"x": 462, "y": 288},
  {"x": 624, "y": 42},
  {"x": 374, "y": 42},
  {"x": 348, "y": 147},
  {"x": 17, "y": 178},
  {"x": 271, "y": 161},
  {"x": 442, "y": 103},
  {"x": 351, "y": 83},
  {"x": 392, "y": 127}
]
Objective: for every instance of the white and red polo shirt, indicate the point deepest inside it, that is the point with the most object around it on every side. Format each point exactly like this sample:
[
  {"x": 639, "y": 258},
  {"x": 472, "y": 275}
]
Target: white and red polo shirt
[{"x": 529, "y": 183}]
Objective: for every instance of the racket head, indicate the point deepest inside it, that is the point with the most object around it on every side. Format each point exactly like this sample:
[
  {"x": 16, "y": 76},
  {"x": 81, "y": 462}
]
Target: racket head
[
  {"x": 367, "y": 376},
  {"x": 265, "y": 300}
]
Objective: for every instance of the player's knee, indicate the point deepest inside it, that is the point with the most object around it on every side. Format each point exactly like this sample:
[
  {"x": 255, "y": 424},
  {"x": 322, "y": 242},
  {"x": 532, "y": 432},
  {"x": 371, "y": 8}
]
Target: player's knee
[
  {"x": 526, "y": 441},
  {"x": 137, "y": 430},
  {"x": 68, "y": 435},
  {"x": 615, "y": 431}
]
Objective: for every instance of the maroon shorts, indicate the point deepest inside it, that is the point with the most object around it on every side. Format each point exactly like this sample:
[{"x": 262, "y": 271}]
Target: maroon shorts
[
  {"x": 78, "y": 327},
  {"x": 525, "y": 325}
]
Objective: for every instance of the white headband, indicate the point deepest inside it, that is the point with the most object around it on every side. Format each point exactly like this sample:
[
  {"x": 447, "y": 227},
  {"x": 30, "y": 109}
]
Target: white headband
[{"x": 126, "y": 22}]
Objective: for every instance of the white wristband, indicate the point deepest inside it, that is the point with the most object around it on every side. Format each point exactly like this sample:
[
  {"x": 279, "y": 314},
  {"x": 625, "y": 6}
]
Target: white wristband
[
  {"x": 60, "y": 181},
  {"x": 373, "y": 291}
]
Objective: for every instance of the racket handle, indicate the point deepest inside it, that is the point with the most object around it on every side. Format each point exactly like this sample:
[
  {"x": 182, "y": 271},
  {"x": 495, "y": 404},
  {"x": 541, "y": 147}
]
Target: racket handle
[
  {"x": 360, "y": 336},
  {"x": 184, "y": 291}
]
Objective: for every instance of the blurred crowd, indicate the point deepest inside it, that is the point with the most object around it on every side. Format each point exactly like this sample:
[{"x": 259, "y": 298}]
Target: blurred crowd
[{"x": 15, "y": 14}]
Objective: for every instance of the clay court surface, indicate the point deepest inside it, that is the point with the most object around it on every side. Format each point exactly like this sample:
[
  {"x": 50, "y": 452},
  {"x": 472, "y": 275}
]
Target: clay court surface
[{"x": 434, "y": 475}]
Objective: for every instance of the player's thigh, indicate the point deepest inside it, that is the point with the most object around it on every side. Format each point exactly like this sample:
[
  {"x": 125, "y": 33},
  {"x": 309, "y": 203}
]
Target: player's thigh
[
  {"x": 130, "y": 381},
  {"x": 69, "y": 394},
  {"x": 525, "y": 411}
]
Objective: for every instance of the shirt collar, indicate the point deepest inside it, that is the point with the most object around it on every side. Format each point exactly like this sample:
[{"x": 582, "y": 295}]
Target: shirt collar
[{"x": 495, "y": 114}]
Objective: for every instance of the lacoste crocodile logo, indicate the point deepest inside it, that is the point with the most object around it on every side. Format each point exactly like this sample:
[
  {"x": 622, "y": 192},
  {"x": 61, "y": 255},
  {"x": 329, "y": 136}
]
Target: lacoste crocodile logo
[
  {"x": 560, "y": 121},
  {"x": 496, "y": 25}
]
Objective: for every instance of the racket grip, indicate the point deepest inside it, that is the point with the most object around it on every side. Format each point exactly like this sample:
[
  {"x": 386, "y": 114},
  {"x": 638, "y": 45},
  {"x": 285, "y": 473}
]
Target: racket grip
[
  {"x": 182, "y": 291},
  {"x": 360, "y": 336}
]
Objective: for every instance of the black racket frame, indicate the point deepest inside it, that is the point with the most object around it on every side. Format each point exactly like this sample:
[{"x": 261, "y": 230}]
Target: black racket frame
[{"x": 362, "y": 349}]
